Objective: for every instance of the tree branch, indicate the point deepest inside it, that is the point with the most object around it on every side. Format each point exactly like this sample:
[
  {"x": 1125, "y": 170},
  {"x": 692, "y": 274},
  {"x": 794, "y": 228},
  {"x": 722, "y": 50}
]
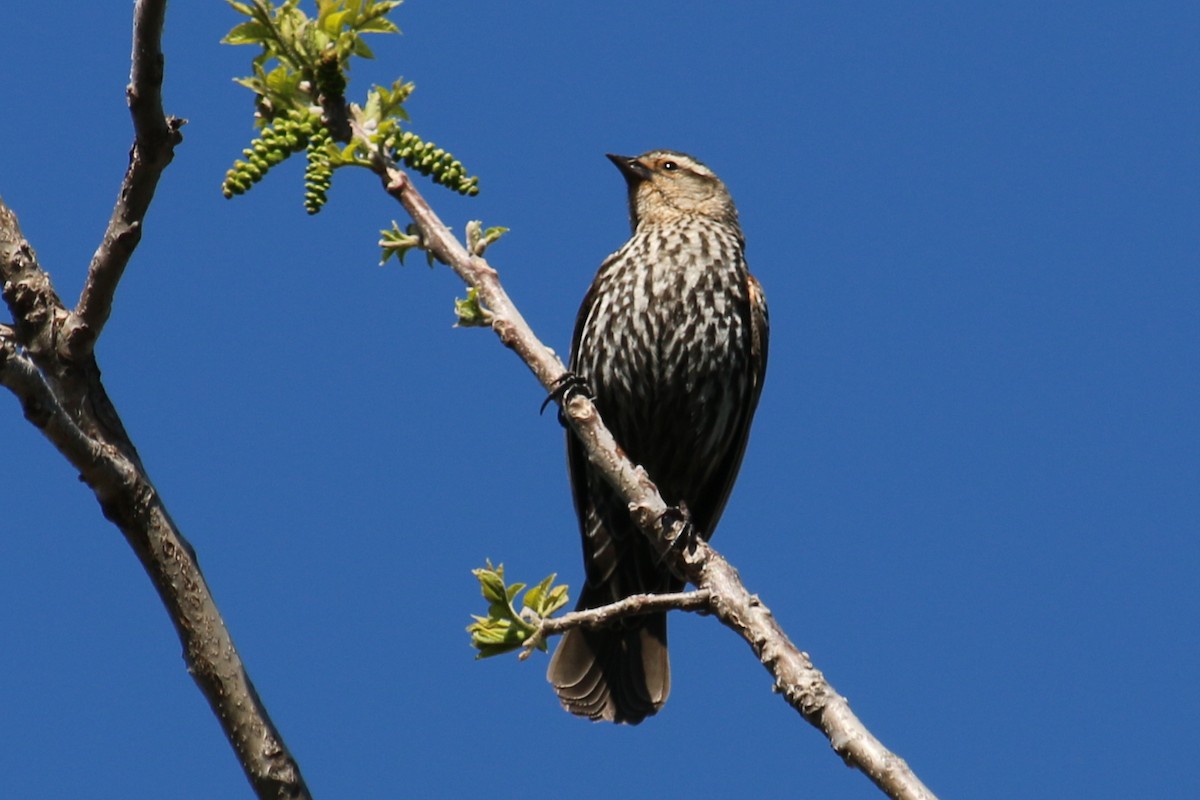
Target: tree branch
[
  {"x": 36, "y": 309},
  {"x": 68, "y": 403},
  {"x": 635, "y": 605},
  {"x": 21, "y": 376},
  {"x": 155, "y": 138},
  {"x": 47, "y": 361},
  {"x": 796, "y": 679}
]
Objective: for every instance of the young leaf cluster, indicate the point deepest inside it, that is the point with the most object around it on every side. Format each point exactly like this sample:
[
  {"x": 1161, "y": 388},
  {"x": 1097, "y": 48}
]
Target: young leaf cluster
[
  {"x": 504, "y": 629},
  {"x": 479, "y": 239},
  {"x": 398, "y": 243},
  {"x": 301, "y": 45},
  {"x": 394, "y": 242},
  {"x": 470, "y": 313},
  {"x": 299, "y": 80}
]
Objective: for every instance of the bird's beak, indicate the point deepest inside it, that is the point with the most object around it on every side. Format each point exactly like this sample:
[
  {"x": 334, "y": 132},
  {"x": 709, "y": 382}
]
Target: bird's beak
[{"x": 634, "y": 171}]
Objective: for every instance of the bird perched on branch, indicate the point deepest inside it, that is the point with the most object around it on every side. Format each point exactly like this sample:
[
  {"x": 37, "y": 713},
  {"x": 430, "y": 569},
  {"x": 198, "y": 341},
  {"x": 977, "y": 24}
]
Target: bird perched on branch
[{"x": 671, "y": 339}]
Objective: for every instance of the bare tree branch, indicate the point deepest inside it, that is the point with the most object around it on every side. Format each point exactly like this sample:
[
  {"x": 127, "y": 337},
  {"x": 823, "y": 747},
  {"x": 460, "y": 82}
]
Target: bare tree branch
[
  {"x": 632, "y": 606},
  {"x": 796, "y": 679},
  {"x": 602, "y": 616},
  {"x": 47, "y": 361},
  {"x": 155, "y": 138},
  {"x": 37, "y": 311},
  {"x": 699, "y": 601},
  {"x": 21, "y": 376},
  {"x": 67, "y": 402}
]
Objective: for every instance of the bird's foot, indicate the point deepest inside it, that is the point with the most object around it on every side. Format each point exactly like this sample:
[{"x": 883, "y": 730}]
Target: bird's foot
[
  {"x": 568, "y": 384},
  {"x": 681, "y": 534}
]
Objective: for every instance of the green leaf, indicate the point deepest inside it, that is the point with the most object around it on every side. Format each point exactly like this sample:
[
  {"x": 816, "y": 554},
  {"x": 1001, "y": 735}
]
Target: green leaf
[
  {"x": 470, "y": 313},
  {"x": 254, "y": 84},
  {"x": 332, "y": 23},
  {"x": 492, "y": 585},
  {"x": 545, "y": 598},
  {"x": 361, "y": 49},
  {"x": 533, "y": 598},
  {"x": 478, "y": 239},
  {"x": 249, "y": 32},
  {"x": 379, "y": 25},
  {"x": 396, "y": 242},
  {"x": 241, "y": 8},
  {"x": 504, "y": 629}
]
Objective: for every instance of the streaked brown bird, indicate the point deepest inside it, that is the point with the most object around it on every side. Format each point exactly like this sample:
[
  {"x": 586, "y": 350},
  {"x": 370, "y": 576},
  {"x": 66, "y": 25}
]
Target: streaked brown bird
[{"x": 672, "y": 340}]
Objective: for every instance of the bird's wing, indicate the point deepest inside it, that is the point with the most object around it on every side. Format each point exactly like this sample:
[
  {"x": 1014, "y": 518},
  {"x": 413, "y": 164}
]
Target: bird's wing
[{"x": 712, "y": 498}]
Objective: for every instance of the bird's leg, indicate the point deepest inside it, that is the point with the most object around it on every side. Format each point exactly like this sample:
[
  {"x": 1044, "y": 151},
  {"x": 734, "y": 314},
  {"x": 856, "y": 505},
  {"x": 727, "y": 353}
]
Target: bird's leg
[
  {"x": 567, "y": 384},
  {"x": 681, "y": 534}
]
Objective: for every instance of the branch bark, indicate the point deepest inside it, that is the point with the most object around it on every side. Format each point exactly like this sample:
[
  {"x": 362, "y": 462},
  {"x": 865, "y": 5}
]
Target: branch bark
[
  {"x": 155, "y": 138},
  {"x": 633, "y": 606},
  {"x": 67, "y": 402},
  {"x": 796, "y": 679},
  {"x": 47, "y": 361}
]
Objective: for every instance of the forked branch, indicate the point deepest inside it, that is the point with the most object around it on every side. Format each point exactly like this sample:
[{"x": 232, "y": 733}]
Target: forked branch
[
  {"x": 47, "y": 361},
  {"x": 155, "y": 138}
]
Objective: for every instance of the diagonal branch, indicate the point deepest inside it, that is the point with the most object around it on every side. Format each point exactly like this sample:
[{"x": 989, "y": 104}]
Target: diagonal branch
[
  {"x": 155, "y": 138},
  {"x": 21, "y": 376},
  {"x": 47, "y": 361},
  {"x": 67, "y": 402},
  {"x": 796, "y": 679},
  {"x": 37, "y": 311}
]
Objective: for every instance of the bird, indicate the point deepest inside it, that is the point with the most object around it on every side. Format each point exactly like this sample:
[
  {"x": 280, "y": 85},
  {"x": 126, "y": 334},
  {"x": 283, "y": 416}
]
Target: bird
[{"x": 671, "y": 343}]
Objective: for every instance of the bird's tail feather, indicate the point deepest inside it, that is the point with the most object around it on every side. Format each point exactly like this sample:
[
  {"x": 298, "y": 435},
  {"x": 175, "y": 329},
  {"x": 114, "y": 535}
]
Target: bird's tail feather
[{"x": 617, "y": 674}]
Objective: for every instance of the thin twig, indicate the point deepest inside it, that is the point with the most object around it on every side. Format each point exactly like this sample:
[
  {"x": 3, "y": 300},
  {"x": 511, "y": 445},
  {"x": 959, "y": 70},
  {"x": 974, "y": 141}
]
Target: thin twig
[
  {"x": 635, "y": 605},
  {"x": 796, "y": 679},
  {"x": 155, "y": 138}
]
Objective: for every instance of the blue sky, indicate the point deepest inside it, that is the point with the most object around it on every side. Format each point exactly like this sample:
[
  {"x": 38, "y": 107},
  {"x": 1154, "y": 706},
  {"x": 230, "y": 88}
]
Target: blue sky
[{"x": 971, "y": 490}]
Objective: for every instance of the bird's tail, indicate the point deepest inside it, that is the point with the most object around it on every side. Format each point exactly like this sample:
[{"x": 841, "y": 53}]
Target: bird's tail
[{"x": 617, "y": 674}]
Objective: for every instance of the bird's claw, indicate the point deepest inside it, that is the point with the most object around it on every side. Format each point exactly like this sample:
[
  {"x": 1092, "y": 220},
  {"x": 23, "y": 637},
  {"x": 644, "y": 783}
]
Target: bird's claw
[
  {"x": 681, "y": 534},
  {"x": 568, "y": 384}
]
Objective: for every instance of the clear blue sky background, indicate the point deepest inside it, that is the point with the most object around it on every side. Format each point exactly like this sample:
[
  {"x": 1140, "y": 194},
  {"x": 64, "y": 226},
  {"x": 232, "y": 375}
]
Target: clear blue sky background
[{"x": 971, "y": 492}]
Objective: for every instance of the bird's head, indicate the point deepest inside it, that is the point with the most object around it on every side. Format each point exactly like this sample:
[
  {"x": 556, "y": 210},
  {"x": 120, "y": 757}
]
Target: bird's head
[{"x": 666, "y": 186}]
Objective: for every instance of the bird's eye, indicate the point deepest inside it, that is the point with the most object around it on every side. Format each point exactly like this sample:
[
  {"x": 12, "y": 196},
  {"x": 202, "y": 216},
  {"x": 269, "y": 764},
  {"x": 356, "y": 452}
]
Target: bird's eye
[{"x": 670, "y": 166}]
